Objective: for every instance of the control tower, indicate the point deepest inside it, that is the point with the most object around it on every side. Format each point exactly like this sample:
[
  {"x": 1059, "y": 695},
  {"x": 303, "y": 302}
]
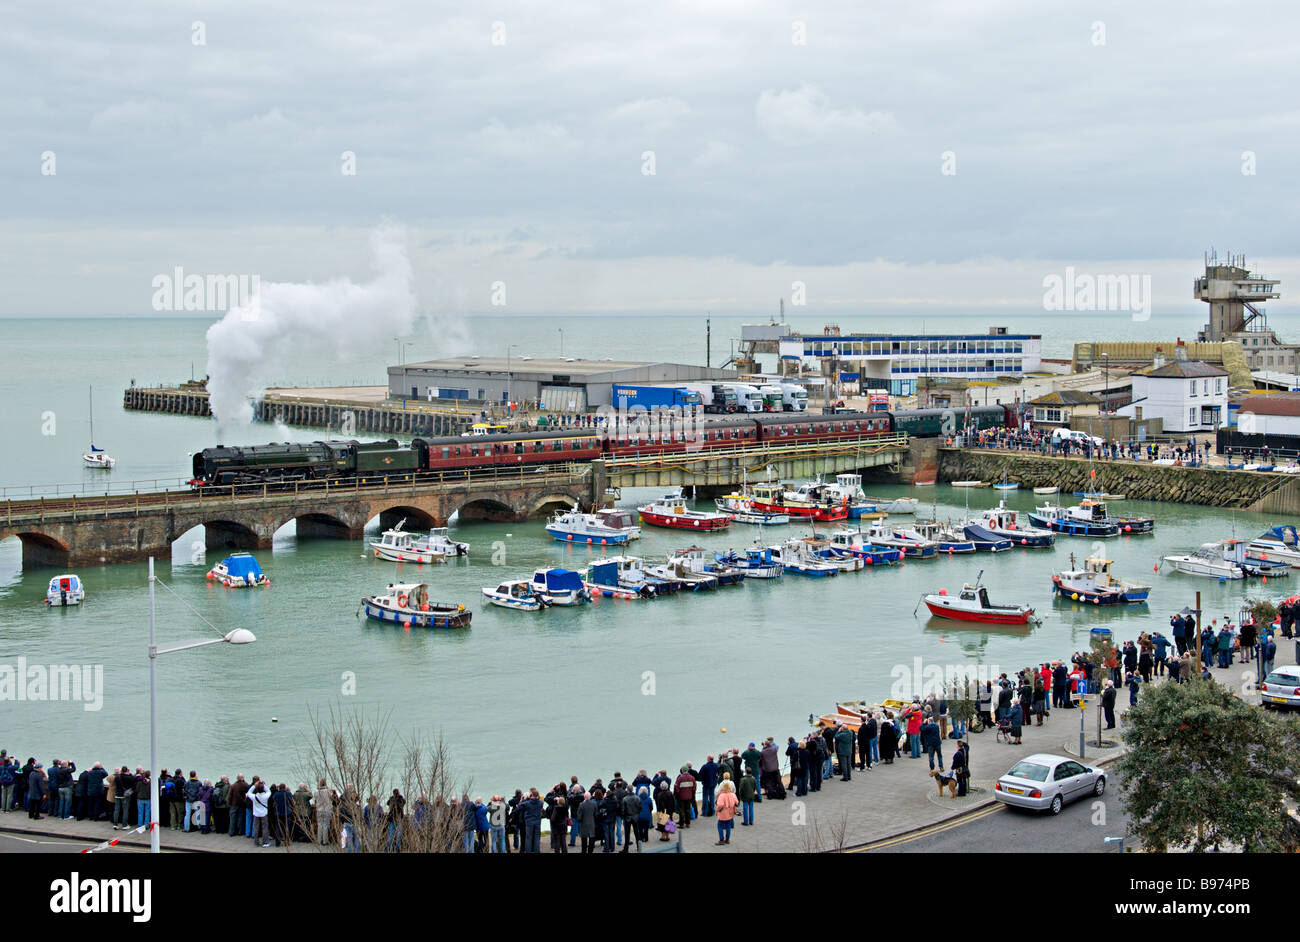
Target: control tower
[{"x": 1234, "y": 296}]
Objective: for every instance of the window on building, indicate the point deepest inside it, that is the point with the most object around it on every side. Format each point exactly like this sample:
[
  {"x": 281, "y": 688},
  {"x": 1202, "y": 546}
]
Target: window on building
[{"x": 1191, "y": 416}]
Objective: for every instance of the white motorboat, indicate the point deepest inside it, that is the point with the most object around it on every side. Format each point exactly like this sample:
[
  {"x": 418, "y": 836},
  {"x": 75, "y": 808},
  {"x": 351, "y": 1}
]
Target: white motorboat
[
  {"x": 671, "y": 510},
  {"x": 678, "y": 571},
  {"x": 797, "y": 556},
  {"x": 1280, "y": 544},
  {"x": 602, "y": 578},
  {"x": 560, "y": 587},
  {"x": 948, "y": 539},
  {"x": 517, "y": 594},
  {"x": 1004, "y": 522},
  {"x": 855, "y": 542},
  {"x": 1206, "y": 561},
  {"x": 65, "y": 590},
  {"x": 400, "y": 546},
  {"x": 700, "y": 562},
  {"x": 841, "y": 558},
  {"x": 848, "y": 490},
  {"x": 238, "y": 571},
  {"x": 912, "y": 547},
  {"x": 440, "y": 542},
  {"x": 603, "y": 528},
  {"x": 96, "y": 457},
  {"x": 407, "y": 604},
  {"x": 1047, "y": 490}
]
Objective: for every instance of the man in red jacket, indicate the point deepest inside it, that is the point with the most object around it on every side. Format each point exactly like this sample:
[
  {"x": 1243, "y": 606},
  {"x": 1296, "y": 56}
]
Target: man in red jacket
[{"x": 684, "y": 792}]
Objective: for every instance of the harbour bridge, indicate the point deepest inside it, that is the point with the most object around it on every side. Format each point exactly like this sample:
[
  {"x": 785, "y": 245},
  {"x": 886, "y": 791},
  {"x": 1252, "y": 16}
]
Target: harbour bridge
[{"x": 78, "y": 525}]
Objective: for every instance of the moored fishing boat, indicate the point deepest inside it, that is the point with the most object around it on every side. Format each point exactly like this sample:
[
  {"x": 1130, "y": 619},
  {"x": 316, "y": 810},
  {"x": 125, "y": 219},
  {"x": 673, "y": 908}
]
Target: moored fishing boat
[
  {"x": 756, "y": 562},
  {"x": 401, "y": 546},
  {"x": 671, "y": 511},
  {"x": 795, "y": 556},
  {"x": 560, "y": 587},
  {"x": 1251, "y": 562},
  {"x": 604, "y": 528},
  {"x": 1279, "y": 544},
  {"x": 238, "y": 571},
  {"x": 602, "y": 578},
  {"x": 947, "y": 539},
  {"x": 698, "y": 561},
  {"x": 857, "y": 543},
  {"x": 741, "y": 508},
  {"x": 972, "y": 604},
  {"x": 439, "y": 541},
  {"x": 1004, "y": 522},
  {"x": 1088, "y": 518},
  {"x": 808, "y": 501},
  {"x": 840, "y": 558},
  {"x": 65, "y": 590},
  {"x": 848, "y": 489},
  {"x": 1095, "y": 584},
  {"x": 407, "y": 604},
  {"x": 985, "y": 540},
  {"x": 517, "y": 594},
  {"x": 677, "y": 571},
  {"x": 1208, "y": 561},
  {"x": 909, "y": 547}
]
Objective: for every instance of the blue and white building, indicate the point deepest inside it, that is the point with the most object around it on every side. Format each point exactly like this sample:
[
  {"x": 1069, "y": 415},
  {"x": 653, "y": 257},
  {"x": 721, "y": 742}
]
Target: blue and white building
[{"x": 897, "y": 361}]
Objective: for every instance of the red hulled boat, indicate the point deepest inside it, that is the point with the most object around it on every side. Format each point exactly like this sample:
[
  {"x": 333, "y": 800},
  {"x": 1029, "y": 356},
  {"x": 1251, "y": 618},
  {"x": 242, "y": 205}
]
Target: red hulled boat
[{"x": 671, "y": 511}]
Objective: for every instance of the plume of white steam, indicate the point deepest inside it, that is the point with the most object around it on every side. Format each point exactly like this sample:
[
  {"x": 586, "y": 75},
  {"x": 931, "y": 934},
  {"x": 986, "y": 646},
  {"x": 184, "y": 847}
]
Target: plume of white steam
[{"x": 337, "y": 322}]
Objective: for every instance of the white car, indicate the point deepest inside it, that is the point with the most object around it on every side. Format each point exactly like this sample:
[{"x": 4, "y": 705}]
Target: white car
[
  {"x": 1077, "y": 438},
  {"x": 1044, "y": 782},
  {"x": 1281, "y": 688}
]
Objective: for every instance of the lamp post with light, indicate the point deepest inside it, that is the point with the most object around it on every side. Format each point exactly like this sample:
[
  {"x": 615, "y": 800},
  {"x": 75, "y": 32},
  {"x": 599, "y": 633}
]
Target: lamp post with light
[{"x": 237, "y": 636}]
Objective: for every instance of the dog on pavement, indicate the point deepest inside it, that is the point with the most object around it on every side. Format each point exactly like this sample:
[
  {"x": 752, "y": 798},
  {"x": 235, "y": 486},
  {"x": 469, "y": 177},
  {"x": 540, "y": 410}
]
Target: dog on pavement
[{"x": 945, "y": 780}]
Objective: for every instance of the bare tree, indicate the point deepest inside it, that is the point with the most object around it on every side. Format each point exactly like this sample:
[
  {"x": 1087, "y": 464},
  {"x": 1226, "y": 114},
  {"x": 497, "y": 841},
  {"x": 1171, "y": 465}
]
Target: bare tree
[{"x": 391, "y": 794}]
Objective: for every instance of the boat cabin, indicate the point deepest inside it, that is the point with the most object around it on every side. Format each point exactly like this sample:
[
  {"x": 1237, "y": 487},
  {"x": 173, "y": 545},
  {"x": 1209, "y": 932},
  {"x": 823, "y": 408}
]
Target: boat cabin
[
  {"x": 975, "y": 593},
  {"x": 616, "y": 519}
]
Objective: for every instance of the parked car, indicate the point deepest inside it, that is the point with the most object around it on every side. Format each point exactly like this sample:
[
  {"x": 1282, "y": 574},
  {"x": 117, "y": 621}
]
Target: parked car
[
  {"x": 1281, "y": 688},
  {"x": 1075, "y": 437},
  {"x": 1044, "y": 782}
]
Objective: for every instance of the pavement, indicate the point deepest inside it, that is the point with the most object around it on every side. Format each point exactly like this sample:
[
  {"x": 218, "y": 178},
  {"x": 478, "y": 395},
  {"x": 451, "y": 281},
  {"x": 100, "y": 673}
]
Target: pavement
[{"x": 889, "y": 804}]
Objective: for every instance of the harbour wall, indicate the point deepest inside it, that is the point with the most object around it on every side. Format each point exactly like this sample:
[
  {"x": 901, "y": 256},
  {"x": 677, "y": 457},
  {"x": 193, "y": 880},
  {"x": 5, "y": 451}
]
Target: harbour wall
[
  {"x": 346, "y": 417},
  {"x": 1247, "y": 490}
]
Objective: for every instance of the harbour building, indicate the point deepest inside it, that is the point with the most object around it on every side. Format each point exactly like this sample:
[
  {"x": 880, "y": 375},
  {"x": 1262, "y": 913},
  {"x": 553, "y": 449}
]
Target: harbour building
[
  {"x": 895, "y": 362},
  {"x": 569, "y": 384}
]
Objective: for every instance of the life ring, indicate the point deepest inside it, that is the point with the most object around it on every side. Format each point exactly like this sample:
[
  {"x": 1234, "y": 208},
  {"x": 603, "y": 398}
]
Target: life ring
[{"x": 402, "y": 600}]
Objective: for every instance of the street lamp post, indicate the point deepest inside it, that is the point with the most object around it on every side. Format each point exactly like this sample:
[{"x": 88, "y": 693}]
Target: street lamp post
[{"x": 237, "y": 636}]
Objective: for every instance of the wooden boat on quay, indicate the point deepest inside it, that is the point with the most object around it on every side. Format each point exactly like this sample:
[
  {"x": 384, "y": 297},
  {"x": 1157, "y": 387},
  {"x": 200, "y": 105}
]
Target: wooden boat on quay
[{"x": 407, "y": 605}]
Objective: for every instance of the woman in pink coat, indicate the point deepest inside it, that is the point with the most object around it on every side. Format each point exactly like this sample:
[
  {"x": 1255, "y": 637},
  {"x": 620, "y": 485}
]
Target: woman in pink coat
[{"x": 724, "y": 807}]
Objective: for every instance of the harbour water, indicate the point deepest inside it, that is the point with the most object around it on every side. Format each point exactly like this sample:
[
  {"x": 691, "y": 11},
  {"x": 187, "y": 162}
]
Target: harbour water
[{"x": 522, "y": 698}]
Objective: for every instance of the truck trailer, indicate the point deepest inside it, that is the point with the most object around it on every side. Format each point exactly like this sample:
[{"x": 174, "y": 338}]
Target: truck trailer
[{"x": 656, "y": 397}]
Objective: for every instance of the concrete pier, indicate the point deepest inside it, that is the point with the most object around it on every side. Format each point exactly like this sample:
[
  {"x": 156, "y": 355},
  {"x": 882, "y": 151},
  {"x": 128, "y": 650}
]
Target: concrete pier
[{"x": 348, "y": 411}]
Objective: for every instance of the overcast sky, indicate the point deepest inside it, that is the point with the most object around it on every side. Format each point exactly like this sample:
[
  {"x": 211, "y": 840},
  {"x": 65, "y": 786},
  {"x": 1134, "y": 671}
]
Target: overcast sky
[{"x": 509, "y": 138}]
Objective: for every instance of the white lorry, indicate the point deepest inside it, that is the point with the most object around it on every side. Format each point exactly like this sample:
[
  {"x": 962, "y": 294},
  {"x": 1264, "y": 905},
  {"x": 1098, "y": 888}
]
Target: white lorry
[
  {"x": 748, "y": 397},
  {"x": 794, "y": 398}
]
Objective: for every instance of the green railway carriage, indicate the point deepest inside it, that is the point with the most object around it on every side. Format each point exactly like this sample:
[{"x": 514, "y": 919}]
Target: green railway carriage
[{"x": 935, "y": 423}]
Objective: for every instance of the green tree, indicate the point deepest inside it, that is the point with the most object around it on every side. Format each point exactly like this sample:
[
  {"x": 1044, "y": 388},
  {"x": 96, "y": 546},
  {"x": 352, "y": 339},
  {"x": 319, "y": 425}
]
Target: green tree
[{"x": 1203, "y": 768}]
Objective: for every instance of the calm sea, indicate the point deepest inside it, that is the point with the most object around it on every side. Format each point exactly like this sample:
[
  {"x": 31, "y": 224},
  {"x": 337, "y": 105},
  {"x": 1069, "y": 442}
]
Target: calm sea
[{"x": 523, "y": 698}]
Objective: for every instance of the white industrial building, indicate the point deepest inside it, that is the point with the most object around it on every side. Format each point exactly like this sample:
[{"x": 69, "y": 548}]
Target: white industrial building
[{"x": 1188, "y": 395}]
